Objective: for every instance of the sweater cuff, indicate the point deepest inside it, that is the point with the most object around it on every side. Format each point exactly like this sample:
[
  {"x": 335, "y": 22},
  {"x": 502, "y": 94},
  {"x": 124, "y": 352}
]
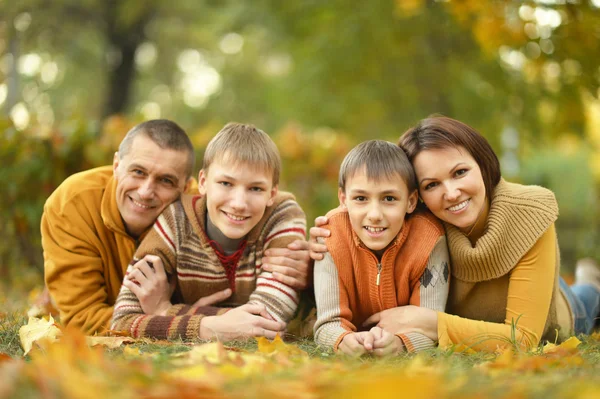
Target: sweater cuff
[
  {"x": 339, "y": 340},
  {"x": 178, "y": 310}
]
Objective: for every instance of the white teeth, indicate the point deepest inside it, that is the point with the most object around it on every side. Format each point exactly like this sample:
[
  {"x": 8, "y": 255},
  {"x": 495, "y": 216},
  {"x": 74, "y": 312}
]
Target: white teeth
[
  {"x": 374, "y": 229},
  {"x": 458, "y": 207},
  {"x": 140, "y": 205},
  {"x": 234, "y": 217}
]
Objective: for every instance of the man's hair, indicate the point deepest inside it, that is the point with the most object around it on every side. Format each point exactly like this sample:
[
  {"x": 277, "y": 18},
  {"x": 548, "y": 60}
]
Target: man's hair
[
  {"x": 244, "y": 144},
  {"x": 439, "y": 132},
  {"x": 164, "y": 133},
  {"x": 380, "y": 159}
]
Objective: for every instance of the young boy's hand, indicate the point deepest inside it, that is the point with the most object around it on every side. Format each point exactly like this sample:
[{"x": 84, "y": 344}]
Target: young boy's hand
[
  {"x": 385, "y": 343},
  {"x": 249, "y": 320},
  {"x": 354, "y": 344}
]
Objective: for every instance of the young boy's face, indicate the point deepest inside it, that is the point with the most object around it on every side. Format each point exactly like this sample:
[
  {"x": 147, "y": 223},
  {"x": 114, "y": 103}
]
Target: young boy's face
[
  {"x": 377, "y": 208},
  {"x": 236, "y": 196}
]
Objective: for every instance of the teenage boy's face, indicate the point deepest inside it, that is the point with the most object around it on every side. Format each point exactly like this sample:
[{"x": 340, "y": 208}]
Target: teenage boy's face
[
  {"x": 377, "y": 208},
  {"x": 236, "y": 196}
]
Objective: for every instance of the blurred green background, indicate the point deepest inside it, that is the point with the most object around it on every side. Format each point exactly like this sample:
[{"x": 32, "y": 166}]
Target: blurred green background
[{"x": 318, "y": 76}]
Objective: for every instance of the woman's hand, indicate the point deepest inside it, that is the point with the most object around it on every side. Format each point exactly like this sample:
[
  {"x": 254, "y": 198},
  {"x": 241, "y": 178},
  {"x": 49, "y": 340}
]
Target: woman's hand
[
  {"x": 405, "y": 319},
  {"x": 317, "y": 250}
]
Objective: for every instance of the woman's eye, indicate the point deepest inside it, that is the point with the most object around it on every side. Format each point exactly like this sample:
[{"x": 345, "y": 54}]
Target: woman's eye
[
  {"x": 461, "y": 172},
  {"x": 430, "y": 186}
]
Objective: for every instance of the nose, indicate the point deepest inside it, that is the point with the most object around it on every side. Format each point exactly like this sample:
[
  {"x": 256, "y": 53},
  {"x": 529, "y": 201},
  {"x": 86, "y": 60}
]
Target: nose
[
  {"x": 238, "y": 199},
  {"x": 452, "y": 191},
  {"x": 374, "y": 214},
  {"x": 146, "y": 190}
]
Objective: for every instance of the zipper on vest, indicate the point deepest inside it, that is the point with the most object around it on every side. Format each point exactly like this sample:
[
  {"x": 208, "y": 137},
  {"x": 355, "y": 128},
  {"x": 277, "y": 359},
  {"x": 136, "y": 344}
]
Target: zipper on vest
[{"x": 378, "y": 272}]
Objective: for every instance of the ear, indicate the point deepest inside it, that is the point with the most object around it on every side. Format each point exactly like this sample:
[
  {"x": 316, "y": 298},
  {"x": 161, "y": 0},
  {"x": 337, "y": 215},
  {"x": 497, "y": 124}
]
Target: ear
[
  {"x": 342, "y": 197},
  {"x": 202, "y": 182},
  {"x": 115, "y": 162},
  {"x": 412, "y": 201},
  {"x": 274, "y": 192}
]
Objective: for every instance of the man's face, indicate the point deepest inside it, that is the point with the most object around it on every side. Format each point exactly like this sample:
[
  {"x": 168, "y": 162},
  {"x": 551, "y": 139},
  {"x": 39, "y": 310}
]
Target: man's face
[
  {"x": 236, "y": 196},
  {"x": 149, "y": 179}
]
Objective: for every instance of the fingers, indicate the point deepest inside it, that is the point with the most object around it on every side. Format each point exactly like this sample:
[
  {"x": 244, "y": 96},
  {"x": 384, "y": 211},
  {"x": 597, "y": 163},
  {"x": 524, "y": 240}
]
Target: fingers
[
  {"x": 157, "y": 264},
  {"x": 213, "y": 298},
  {"x": 318, "y": 232},
  {"x": 299, "y": 245},
  {"x": 368, "y": 342},
  {"x": 295, "y": 283},
  {"x": 136, "y": 276},
  {"x": 320, "y": 221},
  {"x": 133, "y": 287},
  {"x": 373, "y": 319}
]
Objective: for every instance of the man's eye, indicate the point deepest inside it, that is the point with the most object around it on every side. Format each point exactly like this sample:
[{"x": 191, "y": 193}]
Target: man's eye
[
  {"x": 138, "y": 172},
  {"x": 168, "y": 181}
]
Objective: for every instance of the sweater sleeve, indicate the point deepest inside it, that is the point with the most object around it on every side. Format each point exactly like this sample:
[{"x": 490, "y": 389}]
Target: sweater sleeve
[
  {"x": 333, "y": 313},
  {"x": 181, "y": 321},
  {"x": 286, "y": 224},
  {"x": 529, "y": 296},
  {"x": 73, "y": 271},
  {"x": 432, "y": 293}
]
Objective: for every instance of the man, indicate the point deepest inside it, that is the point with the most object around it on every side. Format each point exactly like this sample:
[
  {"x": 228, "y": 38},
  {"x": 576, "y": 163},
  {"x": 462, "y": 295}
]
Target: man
[{"x": 94, "y": 220}]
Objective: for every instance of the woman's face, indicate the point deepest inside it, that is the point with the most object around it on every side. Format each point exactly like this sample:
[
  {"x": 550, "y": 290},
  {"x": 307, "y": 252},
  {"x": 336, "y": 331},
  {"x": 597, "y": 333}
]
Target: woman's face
[{"x": 451, "y": 185}]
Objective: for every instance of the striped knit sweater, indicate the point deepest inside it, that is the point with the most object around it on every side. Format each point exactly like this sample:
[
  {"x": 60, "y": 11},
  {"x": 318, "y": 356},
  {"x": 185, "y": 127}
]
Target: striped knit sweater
[
  {"x": 351, "y": 284},
  {"x": 179, "y": 238}
]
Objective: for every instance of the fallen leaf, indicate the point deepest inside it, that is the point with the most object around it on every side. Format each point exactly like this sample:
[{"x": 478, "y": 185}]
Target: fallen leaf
[
  {"x": 277, "y": 346},
  {"x": 109, "y": 342},
  {"x": 568, "y": 346},
  {"x": 36, "y": 330}
]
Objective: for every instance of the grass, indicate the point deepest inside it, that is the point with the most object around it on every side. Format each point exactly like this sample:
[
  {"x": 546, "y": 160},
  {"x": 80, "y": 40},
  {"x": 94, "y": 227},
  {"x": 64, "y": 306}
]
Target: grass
[{"x": 154, "y": 369}]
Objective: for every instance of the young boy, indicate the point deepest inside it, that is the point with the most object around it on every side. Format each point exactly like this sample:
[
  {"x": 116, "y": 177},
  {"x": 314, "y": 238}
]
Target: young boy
[
  {"x": 379, "y": 255},
  {"x": 214, "y": 242}
]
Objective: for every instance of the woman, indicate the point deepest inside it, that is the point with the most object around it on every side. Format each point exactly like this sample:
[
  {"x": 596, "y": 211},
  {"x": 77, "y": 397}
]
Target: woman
[{"x": 505, "y": 285}]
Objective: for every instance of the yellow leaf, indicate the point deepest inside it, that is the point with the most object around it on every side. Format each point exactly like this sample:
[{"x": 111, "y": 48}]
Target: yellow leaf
[
  {"x": 36, "y": 330},
  {"x": 109, "y": 342},
  {"x": 277, "y": 346},
  {"x": 570, "y": 345}
]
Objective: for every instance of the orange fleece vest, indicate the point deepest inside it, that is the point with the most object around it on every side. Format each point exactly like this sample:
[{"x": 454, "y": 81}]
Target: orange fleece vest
[{"x": 402, "y": 265}]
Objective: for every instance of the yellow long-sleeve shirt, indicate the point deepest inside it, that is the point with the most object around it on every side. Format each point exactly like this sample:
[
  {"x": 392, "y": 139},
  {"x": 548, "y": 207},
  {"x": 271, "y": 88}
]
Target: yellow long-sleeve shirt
[{"x": 509, "y": 278}]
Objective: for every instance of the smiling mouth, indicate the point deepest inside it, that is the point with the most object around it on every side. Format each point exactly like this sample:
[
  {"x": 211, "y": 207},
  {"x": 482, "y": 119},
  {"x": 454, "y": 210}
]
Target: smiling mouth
[
  {"x": 139, "y": 204},
  {"x": 460, "y": 206},
  {"x": 374, "y": 230},
  {"x": 235, "y": 217}
]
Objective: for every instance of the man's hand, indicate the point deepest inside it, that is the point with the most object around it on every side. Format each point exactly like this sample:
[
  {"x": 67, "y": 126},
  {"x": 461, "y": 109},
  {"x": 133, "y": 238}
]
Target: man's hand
[
  {"x": 317, "y": 250},
  {"x": 148, "y": 281},
  {"x": 291, "y": 265},
  {"x": 406, "y": 319},
  {"x": 249, "y": 320},
  {"x": 385, "y": 343}
]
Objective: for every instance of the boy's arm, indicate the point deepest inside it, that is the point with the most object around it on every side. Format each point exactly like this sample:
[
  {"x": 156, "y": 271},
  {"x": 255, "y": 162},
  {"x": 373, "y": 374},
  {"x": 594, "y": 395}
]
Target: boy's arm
[
  {"x": 333, "y": 313},
  {"x": 431, "y": 292},
  {"x": 286, "y": 224}
]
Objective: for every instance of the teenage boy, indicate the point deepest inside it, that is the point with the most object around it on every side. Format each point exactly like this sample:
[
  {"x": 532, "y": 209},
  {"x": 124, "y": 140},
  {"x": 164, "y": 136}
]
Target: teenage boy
[
  {"x": 215, "y": 242},
  {"x": 381, "y": 254}
]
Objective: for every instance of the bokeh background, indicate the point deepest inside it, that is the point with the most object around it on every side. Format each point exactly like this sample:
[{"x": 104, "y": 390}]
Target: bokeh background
[{"x": 318, "y": 76}]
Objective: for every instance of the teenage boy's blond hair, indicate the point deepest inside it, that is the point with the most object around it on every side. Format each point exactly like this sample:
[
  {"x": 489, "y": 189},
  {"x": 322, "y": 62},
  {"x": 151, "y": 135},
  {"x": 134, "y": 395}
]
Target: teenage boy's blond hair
[
  {"x": 380, "y": 159},
  {"x": 238, "y": 143}
]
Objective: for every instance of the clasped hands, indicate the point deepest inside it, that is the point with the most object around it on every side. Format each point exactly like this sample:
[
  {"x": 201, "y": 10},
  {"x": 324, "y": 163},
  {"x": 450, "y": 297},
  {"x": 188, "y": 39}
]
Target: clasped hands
[{"x": 376, "y": 341}]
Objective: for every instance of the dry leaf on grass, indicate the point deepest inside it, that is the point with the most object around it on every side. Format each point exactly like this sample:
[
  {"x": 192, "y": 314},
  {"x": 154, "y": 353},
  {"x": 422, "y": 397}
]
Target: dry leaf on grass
[
  {"x": 36, "y": 330},
  {"x": 109, "y": 342}
]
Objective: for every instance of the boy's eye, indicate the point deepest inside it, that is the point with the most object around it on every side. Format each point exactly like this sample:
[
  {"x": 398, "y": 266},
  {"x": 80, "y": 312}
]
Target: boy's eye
[
  {"x": 257, "y": 189},
  {"x": 360, "y": 198},
  {"x": 225, "y": 183},
  {"x": 389, "y": 198}
]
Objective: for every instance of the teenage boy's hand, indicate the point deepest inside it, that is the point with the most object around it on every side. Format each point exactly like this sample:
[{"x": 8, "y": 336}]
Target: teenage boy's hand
[
  {"x": 356, "y": 344},
  {"x": 385, "y": 343},
  {"x": 291, "y": 265},
  {"x": 148, "y": 281},
  {"x": 317, "y": 250},
  {"x": 249, "y": 320}
]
